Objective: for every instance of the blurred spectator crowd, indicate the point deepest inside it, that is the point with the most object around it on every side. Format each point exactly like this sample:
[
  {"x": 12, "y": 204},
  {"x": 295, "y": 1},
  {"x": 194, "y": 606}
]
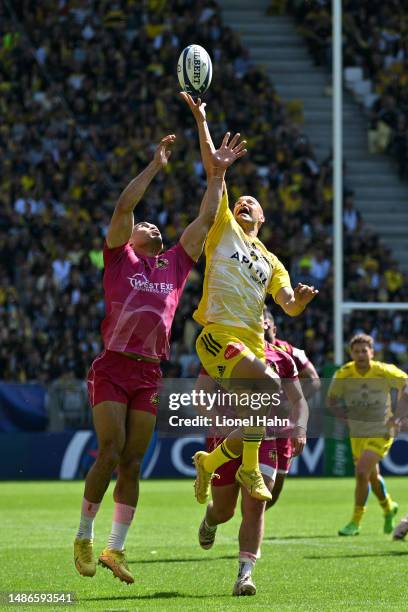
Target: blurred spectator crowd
[
  {"x": 87, "y": 90},
  {"x": 376, "y": 40}
]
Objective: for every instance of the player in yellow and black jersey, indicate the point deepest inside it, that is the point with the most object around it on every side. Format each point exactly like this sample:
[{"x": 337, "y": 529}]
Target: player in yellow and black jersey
[
  {"x": 361, "y": 391},
  {"x": 239, "y": 274}
]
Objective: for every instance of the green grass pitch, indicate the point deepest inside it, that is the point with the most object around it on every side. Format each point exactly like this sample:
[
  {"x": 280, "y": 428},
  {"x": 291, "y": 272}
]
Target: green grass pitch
[{"x": 304, "y": 564}]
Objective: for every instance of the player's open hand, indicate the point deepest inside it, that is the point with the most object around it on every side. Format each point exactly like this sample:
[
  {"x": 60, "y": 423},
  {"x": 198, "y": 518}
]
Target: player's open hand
[
  {"x": 197, "y": 108},
  {"x": 298, "y": 444},
  {"x": 304, "y": 294},
  {"x": 228, "y": 152},
  {"x": 163, "y": 152}
]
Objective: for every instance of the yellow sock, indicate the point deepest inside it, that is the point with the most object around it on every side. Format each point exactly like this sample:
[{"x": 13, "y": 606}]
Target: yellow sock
[
  {"x": 386, "y": 503},
  {"x": 358, "y": 514},
  {"x": 220, "y": 455},
  {"x": 251, "y": 440}
]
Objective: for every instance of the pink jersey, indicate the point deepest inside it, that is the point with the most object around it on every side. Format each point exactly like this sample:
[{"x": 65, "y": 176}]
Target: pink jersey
[
  {"x": 141, "y": 297},
  {"x": 298, "y": 356},
  {"x": 284, "y": 364},
  {"x": 286, "y": 369}
]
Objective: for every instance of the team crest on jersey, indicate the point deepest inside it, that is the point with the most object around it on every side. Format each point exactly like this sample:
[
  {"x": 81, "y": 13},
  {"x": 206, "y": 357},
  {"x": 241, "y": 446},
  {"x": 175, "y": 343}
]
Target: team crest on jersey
[
  {"x": 233, "y": 349},
  {"x": 154, "y": 399},
  {"x": 162, "y": 263}
]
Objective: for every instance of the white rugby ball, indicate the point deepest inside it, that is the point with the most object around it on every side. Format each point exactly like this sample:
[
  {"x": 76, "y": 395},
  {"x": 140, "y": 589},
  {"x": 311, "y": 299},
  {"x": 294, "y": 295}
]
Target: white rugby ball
[{"x": 194, "y": 70}]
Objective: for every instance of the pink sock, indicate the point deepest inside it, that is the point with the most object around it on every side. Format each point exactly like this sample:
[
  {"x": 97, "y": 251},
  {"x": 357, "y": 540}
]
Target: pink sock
[
  {"x": 123, "y": 513},
  {"x": 247, "y": 562},
  {"x": 86, "y": 525},
  {"x": 89, "y": 508},
  {"x": 122, "y": 519}
]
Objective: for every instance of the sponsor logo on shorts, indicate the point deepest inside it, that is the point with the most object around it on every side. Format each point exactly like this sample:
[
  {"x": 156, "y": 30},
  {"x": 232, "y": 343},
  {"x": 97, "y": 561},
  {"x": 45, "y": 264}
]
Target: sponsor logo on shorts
[
  {"x": 221, "y": 370},
  {"x": 233, "y": 349},
  {"x": 162, "y": 263},
  {"x": 272, "y": 454},
  {"x": 154, "y": 399}
]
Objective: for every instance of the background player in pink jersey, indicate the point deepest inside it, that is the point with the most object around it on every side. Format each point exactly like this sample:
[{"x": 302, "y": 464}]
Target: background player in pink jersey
[
  {"x": 142, "y": 288},
  {"x": 225, "y": 489},
  {"x": 310, "y": 385}
]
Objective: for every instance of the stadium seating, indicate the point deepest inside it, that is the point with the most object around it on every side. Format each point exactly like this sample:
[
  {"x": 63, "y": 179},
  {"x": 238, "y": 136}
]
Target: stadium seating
[{"x": 375, "y": 59}]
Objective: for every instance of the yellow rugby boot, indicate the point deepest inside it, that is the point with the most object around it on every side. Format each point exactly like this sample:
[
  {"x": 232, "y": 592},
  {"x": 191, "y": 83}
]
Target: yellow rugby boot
[
  {"x": 253, "y": 483},
  {"x": 115, "y": 561},
  {"x": 203, "y": 479},
  {"x": 83, "y": 557}
]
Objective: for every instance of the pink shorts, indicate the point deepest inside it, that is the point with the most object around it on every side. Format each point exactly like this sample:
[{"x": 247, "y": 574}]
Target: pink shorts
[
  {"x": 118, "y": 378},
  {"x": 284, "y": 450},
  {"x": 267, "y": 462}
]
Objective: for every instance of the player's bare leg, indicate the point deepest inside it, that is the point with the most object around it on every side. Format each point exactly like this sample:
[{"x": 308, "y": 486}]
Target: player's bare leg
[
  {"x": 363, "y": 469},
  {"x": 110, "y": 427},
  {"x": 139, "y": 430},
  {"x": 109, "y": 422},
  {"x": 248, "y": 475},
  {"x": 389, "y": 507},
  {"x": 250, "y": 540},
  {"x": 277, "y": 489},
  {"x": 220, "y": 510}
]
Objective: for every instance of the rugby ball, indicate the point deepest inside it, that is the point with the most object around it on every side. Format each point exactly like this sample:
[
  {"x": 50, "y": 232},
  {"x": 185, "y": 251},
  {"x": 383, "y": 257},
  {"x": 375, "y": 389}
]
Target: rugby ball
[{"x": 194, "y": 70}]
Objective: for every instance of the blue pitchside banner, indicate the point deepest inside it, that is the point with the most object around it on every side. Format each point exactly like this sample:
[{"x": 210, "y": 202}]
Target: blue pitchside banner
[
  {"x": 69, "y": 455},
  {"x": 22, "y": 407}
]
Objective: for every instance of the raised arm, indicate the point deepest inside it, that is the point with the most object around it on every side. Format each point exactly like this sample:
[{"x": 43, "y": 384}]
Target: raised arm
[
  {"x": 310, "y": 380},
  {"x": 401, "y": 413},
  {"x": 294, "y": 301},
  {"x": 121, "y": 225},
  {"x": 207, "y": 147},
  {"x": 299, "y": 413},
  {"x": 194, "y": 235}
]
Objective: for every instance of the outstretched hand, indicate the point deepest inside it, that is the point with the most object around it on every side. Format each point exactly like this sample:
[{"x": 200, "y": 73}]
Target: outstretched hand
[
  {"x": 163, "y": 152},
  {"x": 304, "y": 294},
  {"x": 197, "y": 108},
  {"x": 228, "y": 152}
]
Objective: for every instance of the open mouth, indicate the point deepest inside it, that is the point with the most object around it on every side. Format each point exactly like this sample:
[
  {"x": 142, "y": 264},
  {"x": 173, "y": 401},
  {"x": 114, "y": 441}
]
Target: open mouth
[
  {"x": 244, "y": 210},
  {"x": 155, "y": 233}
]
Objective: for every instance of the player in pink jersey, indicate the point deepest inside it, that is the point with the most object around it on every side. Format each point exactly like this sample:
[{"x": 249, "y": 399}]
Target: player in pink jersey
[
  {"x": 224, "y": 487},
  {"x": 142, "y": 288},
  {"x": 310, "y": 385}
]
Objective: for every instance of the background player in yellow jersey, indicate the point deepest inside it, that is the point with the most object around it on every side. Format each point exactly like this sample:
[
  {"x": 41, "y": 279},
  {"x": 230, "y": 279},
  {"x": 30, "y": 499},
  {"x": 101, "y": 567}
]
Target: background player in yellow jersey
[
  {"x": 360, "y": 391},
  {"x": 239, "y": 273}
]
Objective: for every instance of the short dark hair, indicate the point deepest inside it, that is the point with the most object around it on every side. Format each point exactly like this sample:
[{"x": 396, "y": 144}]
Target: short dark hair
[
  {"x": 267, "y": 314},
  {"x": 362, "y": 339}
]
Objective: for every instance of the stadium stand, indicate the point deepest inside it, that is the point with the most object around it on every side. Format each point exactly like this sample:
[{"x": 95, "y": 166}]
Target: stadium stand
[
  {"x": 376, "y": 48},
  {"x": 87, "y": 89}
]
